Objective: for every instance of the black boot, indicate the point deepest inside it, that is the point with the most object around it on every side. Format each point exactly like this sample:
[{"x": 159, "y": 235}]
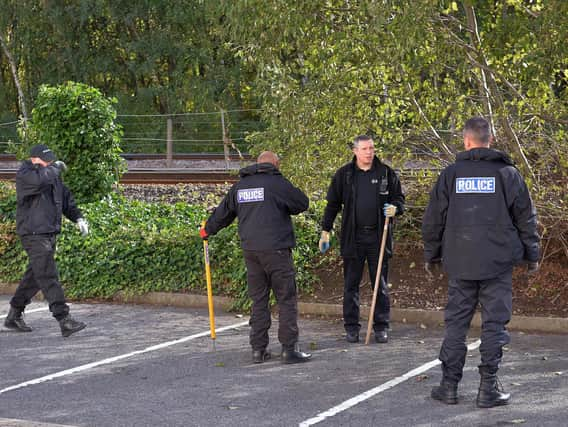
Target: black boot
[
  {"x": 259, "y": 356},
  {"x": 490, "y": 390},
  {"x": 293, "y": 355},
  {"x": 70, "y": 326},
  {"x": 382, "y": 336},
  {"x": 15, "y": 321},
  {"x": 446, "y": 392}
]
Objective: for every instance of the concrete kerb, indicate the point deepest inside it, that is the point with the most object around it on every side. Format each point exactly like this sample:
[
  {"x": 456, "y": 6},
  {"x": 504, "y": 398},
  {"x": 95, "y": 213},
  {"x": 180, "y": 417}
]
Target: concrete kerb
[{"x": 556, "y": 325}]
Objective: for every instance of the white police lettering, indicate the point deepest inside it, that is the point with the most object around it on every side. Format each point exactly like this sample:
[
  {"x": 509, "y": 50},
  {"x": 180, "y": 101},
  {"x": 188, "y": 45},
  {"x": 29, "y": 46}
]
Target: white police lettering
[
  {"x": 484, "y": 184},
  {"x": 249, "y": 195}
]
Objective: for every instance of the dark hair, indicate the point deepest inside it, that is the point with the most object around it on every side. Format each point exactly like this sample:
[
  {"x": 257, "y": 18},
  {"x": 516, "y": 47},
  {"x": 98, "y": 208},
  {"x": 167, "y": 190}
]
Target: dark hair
[
  {"x": 479, "y": 129},
  {"x": 360, "y": 138}
]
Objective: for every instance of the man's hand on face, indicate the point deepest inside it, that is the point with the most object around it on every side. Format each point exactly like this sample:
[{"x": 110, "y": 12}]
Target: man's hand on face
[{"x": 40, "y": 162}]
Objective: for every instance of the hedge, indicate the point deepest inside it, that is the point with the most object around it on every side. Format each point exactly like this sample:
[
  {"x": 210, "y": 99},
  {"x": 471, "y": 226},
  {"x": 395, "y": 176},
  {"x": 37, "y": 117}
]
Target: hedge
[{"x": 138, "y": 247}]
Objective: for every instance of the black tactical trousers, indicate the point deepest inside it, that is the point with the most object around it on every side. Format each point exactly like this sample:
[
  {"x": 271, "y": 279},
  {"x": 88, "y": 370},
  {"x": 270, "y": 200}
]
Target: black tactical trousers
[
  {"x": 41, "y": 274},
  {"x": 368, "y": 248},
  {"x": 495, "y": 298},
  {"x": 272, "y": 270}
]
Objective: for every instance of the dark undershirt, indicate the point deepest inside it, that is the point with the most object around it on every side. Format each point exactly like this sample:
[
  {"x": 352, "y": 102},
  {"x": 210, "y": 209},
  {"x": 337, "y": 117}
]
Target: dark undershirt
[{"x": 366, "y": 213}]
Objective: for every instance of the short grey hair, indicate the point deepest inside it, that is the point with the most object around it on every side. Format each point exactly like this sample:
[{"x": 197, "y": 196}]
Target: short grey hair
[
  {"x": 360, "y": 138},
  {"x": 479, "y": 129}
]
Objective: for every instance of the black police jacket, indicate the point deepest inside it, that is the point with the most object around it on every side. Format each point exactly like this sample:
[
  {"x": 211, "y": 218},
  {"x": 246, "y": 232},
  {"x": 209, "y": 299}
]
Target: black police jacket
[
  {"x": 342, "y": 194},
  {"x": 42, "y": 199},
  {"x": 263, "y": 201},
  {"x": 480, "y": 219}
]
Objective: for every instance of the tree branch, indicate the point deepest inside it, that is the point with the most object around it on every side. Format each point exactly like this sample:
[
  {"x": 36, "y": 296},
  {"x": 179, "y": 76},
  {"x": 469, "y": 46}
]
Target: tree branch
[{"x": 14, "y": 70}]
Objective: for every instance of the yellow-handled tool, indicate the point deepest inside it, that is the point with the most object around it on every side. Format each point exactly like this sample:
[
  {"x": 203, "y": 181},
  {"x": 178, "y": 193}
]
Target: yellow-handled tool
[{"x": 209, "y": 287}]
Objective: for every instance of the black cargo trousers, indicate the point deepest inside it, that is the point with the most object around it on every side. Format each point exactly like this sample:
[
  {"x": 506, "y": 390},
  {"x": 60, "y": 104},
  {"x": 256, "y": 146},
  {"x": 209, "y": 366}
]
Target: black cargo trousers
[
  {"x": 495, "y": 297},
  {"x": 272, "y": 270},
  {"x": 41, "y": 274},
  {"x": 368, "y": 247}
]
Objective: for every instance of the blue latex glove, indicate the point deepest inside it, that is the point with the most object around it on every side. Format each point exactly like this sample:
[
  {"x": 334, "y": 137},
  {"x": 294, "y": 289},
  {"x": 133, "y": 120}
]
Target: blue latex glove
[
  {"x": 389, "y": 210},
  {"x": 324, "y": 242}
]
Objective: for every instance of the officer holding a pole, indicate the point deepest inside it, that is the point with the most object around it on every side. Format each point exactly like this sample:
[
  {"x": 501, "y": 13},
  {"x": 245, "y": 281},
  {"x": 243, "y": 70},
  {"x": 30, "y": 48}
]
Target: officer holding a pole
[
  {"x": 263, "y": 200},
  {"x": 479, "y": 223},
  {"x": 367, "y": 191}
]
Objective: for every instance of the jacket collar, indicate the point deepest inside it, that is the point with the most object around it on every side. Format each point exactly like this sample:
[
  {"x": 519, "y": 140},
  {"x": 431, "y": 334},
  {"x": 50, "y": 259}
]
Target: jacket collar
[{"x": 482, "y": 153}]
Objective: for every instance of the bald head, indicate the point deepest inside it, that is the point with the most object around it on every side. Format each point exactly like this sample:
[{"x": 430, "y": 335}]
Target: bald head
[{"x": 268, "y": 157}]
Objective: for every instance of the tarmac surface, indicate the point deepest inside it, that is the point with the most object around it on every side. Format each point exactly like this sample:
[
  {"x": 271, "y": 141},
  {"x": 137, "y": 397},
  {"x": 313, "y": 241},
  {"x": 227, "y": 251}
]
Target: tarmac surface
[{"x": 140, "y": 365}]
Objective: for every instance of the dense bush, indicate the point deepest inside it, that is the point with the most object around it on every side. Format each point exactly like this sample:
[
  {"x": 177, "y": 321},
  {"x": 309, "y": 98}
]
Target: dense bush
[
  {"x": 138, "y": 247},
  {"x": 78, "y": 123}
]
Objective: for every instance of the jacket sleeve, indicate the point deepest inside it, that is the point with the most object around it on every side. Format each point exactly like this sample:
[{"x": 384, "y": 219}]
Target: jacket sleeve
[
  {"x": 296, "y": 201},
  {"x": 33, "y": 180},
  {"x": 434, "y": 221},
  {"x": 70, "y": 209},
  {"x": 524, "y": 218},
  {"x": 223, "y": 215},
  {"x": 334, "y": 202},
  {"x": 396, "y": 196}
]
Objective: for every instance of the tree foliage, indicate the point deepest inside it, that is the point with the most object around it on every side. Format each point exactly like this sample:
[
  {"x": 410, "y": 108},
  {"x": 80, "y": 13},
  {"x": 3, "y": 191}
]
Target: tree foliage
[{"x": 410, "y": 73}]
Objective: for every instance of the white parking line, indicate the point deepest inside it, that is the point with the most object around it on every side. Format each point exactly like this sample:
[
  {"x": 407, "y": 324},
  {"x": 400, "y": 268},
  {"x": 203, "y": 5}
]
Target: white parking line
[
  {"x": 30, "y": 311},
  {"x": 374, "y": 391},
  {"x": 117, "y": 358}
]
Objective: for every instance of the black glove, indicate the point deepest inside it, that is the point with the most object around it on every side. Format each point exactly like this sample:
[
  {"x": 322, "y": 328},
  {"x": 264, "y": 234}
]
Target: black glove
[{"x": 532, "y": 267}]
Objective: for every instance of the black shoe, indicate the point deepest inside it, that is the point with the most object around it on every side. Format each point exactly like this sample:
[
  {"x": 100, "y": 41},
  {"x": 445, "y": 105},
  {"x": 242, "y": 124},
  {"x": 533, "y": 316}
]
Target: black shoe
[
  {"x": 259, "y": 356},
  {"x": 294, "y": 356},
  {"x": 491, "y": 391},
  {"x": 445, "y": 392},
  {"x": 70, "y": 326},
  {"x": 382, "y": 337},
  {"x": 15, "y": 321},
  {"x": 352, "y": 337}
]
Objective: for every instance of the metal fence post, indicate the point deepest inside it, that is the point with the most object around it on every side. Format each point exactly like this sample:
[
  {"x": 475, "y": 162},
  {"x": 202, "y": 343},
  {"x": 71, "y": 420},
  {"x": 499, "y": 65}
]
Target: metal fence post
[{"x": 169, "y": 143}]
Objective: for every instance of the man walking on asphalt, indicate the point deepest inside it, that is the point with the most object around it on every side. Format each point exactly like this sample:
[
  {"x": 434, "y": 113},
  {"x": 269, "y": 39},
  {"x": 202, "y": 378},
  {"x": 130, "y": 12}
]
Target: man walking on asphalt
[
  {"x": 480, "y": 222},
  {"x": 263, "y": 201},
  {"x": 368, "y": 191},
  {"x": 42, "y": 199}
]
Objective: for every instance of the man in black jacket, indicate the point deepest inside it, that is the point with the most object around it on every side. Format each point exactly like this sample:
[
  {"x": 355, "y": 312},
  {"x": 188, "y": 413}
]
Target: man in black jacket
[
  {"x": 42, "y": 199},
  {"x": 368, "y": 191},
  {"x": 263, "y": 200},
  {"x": 480, "y": 222}
]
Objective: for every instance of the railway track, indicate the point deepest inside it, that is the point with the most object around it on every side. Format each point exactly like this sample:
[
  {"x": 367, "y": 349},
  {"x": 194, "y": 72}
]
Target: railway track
[{"x": 149, "y": 175}]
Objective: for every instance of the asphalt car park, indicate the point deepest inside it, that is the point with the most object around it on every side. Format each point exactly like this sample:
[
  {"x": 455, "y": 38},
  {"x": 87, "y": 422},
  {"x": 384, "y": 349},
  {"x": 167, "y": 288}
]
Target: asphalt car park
[{"x": 152, "y": 365}]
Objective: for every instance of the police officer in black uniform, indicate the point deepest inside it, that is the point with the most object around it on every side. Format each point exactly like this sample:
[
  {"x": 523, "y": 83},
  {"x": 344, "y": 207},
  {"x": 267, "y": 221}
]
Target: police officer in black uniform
[
  {"x": 42, "y": 199},
  {"x": 263, "y": 201},
  {"x": 368, "y": 191},
  {"x": 480, "y": 222}
]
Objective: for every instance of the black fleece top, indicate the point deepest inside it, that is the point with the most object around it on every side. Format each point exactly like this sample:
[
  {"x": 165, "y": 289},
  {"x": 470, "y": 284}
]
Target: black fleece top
[
  {"x": 343, "y": 194},
  {"x": 263, "y": 201},
  {"x": 480, "y": 219}
]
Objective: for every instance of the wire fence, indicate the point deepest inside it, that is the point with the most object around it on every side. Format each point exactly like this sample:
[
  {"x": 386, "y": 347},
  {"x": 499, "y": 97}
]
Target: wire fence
[{"x": 223, "y": 131}]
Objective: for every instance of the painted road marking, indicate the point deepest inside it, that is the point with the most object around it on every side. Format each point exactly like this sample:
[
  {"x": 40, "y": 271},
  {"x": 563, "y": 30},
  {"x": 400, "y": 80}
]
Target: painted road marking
[
  {"x": 374, "y": 391},
  {"x": 29, "y": 311},
  {"x": 117, "y": 358}
]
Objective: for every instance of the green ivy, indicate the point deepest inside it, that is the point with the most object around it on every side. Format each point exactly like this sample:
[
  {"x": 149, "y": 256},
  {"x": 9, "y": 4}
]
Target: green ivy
[
  {"x": 138, "y": 247},
  {"x": 78, "y": 123}
]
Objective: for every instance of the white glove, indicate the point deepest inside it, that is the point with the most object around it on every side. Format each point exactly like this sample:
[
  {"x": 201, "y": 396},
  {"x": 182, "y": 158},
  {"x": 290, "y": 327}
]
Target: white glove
[
  {"x": 60, "y": 165},
  {"x": 389, "y": 210},
  {"x": 83, "y": 226}
]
